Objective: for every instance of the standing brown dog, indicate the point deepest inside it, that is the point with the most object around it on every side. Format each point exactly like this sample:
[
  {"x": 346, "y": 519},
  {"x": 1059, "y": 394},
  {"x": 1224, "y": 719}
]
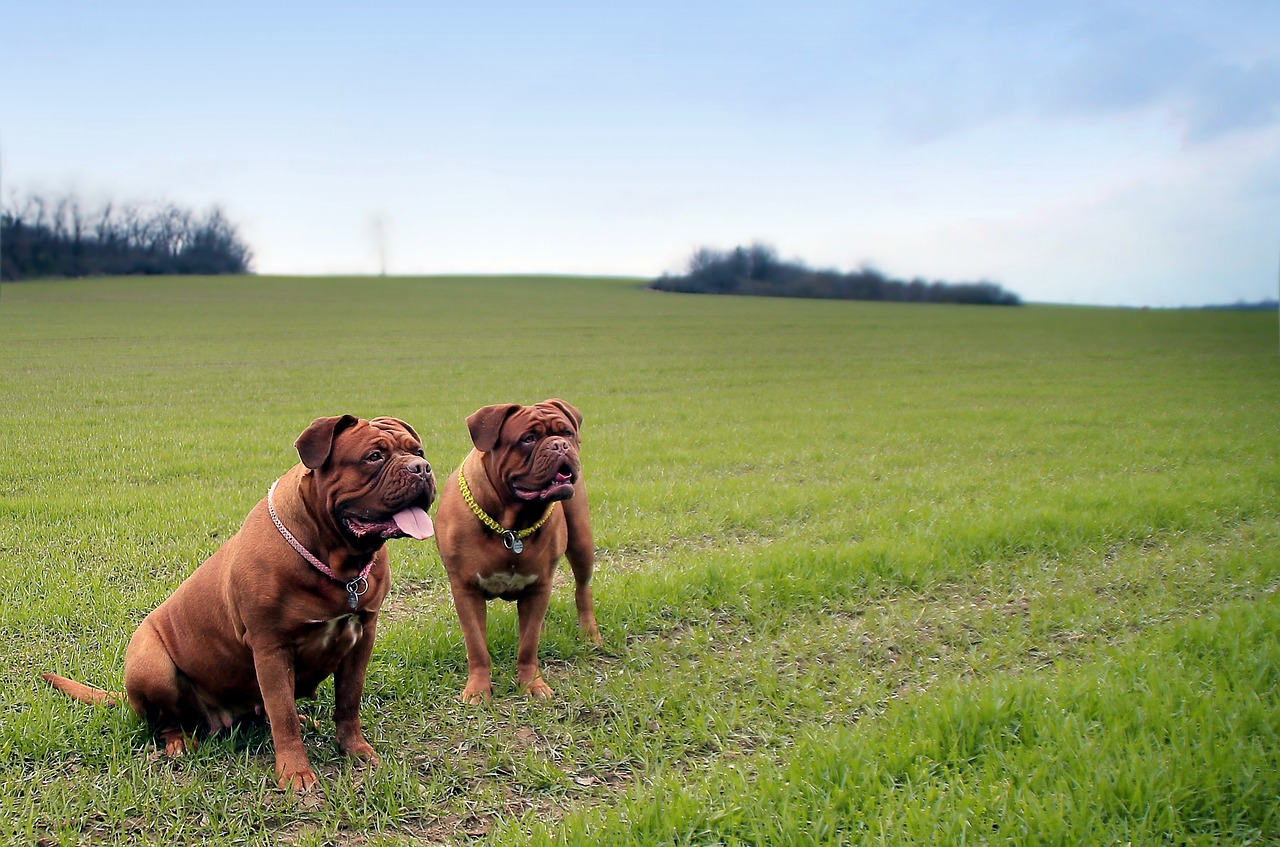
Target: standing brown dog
[
  {"x": 516, "y": 504},
  {"x": 289, "y": 600}
]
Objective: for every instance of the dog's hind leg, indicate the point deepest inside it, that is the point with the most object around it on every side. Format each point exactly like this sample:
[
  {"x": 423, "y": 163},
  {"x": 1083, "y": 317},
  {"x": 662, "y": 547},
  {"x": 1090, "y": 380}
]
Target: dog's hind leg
[
  {"x": 156, "y": 691},
  {"x": 581, "y": 554}
]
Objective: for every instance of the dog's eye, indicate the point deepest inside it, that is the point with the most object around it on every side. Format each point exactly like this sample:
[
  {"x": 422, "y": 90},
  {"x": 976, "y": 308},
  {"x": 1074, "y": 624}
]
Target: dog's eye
[
  {"x": 529, "y": 438},
  {"x": 421, "y": 454},
  {"x": 373, "y": 456}
]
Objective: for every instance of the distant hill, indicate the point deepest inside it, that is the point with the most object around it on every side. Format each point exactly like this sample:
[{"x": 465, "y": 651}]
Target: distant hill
[{"x": 1260, "y": 306}]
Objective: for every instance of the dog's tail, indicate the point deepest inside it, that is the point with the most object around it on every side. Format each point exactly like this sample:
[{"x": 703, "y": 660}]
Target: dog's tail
[{"x": 82, "y": 692}]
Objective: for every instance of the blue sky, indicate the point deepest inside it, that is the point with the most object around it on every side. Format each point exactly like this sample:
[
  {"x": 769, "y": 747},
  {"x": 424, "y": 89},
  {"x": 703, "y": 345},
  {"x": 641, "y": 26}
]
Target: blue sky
[{"x": 1103, "y": 153}]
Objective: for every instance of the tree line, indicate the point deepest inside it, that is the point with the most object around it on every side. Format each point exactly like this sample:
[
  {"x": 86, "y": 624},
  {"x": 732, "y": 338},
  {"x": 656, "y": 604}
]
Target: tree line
[
  {"x": 757, "y": 270},
  {"x": 40, "y": 237}
]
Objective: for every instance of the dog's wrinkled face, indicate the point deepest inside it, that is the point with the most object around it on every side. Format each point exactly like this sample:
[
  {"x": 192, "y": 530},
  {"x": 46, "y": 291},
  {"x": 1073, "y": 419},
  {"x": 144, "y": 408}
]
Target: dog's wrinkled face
[
  {"x": 373, "y": 475},
  {"x": 534, "y": 448}
]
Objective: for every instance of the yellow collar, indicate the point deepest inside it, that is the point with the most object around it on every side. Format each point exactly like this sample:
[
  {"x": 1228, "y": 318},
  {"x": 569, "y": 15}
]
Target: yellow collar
[{"x": 511, "y": 539}]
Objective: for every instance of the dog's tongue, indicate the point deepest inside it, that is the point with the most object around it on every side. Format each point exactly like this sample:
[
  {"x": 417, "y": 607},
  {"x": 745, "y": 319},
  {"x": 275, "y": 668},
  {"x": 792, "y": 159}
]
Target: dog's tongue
[{"x": 415, "y": 522}]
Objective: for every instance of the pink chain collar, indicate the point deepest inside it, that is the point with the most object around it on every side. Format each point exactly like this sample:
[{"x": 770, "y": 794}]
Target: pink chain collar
[{"x": 355, "y": 587}]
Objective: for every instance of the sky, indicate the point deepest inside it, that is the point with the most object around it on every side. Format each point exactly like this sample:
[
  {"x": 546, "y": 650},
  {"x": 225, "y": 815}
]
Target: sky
[{"x": 1102, "y": 153}]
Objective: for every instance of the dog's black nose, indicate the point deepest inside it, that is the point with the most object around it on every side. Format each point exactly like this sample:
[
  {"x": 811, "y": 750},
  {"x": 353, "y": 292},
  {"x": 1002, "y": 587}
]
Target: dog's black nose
[{"x": 421, "y": 467}]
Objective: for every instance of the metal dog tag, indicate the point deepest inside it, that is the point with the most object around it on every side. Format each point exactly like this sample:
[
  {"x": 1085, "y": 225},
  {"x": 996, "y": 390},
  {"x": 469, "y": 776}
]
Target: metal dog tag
[
  {"x": 509, "y": 540},
  {"x": 355, "y": 588}
]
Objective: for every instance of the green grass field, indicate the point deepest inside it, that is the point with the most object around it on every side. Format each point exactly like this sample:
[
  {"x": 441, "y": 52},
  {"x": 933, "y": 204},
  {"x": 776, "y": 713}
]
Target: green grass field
[{"x": 868, "y": 573}]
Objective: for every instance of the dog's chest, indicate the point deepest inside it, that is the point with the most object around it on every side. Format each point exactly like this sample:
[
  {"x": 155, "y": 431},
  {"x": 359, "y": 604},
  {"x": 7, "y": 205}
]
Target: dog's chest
[
  {"x": 335, "y": 636},
  {"x": 500, "y": 583}
]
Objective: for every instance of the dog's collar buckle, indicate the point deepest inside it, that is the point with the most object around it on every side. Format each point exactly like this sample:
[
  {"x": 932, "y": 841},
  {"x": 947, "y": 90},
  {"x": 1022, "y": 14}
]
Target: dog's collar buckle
[{"x": 512, "y": 542}]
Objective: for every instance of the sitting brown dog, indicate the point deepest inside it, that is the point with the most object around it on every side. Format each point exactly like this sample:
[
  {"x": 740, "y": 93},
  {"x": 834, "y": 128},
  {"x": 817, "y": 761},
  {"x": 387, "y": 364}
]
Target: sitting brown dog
[
  {"x": 515, "y": 505},
  {"x": 289, "y": 600}
]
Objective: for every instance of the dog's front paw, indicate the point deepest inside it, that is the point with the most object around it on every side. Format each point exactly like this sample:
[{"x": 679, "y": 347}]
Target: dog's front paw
[
  {"x": 477, "y": 692},
  {"x": 538, "y": 689},
  {"x": 297, "y": 778},
  {"x": 361, "y": 749}
]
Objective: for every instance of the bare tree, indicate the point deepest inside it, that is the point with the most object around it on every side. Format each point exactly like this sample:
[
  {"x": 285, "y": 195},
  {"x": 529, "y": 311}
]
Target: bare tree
[{"x": 59, "y": 238}]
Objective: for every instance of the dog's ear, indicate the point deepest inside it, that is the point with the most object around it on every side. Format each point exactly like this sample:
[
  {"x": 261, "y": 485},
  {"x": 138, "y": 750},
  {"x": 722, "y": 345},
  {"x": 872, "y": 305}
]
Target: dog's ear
[
  {"x": 570, "y": 411},
  {"x": 316, "y": 442},
  {"x": 485, "y": 424},
  {"x": 384, "y": 422}
]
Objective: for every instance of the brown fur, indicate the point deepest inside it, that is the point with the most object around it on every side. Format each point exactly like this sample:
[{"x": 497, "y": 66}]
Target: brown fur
[
  {"x": 255, "y": 626},
  {"x": 481, "y": 568}
]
